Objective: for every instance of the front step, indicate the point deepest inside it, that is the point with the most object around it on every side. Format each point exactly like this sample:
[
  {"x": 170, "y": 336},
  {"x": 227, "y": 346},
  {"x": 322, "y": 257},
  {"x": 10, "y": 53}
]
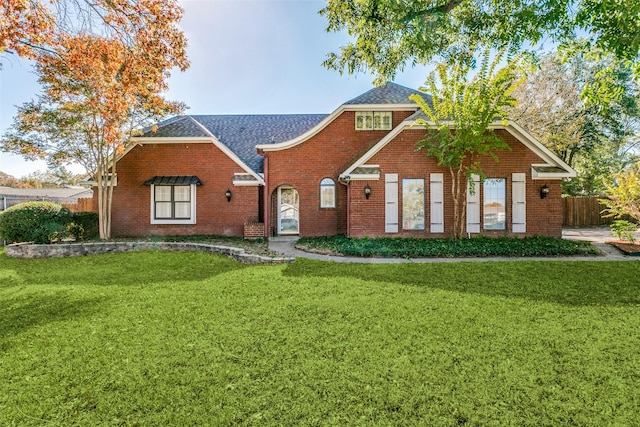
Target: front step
[{"x": 284, "y": 239}]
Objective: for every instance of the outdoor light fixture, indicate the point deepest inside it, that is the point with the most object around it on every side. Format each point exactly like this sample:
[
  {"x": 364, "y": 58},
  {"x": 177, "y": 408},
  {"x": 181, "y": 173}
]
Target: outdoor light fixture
[
  {"x": 228, "y": 194},
  {"x": 544, "y": 191},
  {"x": 367, "y": 192}
]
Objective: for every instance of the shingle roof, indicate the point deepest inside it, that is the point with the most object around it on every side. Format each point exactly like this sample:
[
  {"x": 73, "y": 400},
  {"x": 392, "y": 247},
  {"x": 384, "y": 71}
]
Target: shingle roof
[
  {"x": 177, "y": 127},
  {"x": 60, "y": 193},
  {"x": 390, "y": 93},
  {"x": 240, "y": 133}
]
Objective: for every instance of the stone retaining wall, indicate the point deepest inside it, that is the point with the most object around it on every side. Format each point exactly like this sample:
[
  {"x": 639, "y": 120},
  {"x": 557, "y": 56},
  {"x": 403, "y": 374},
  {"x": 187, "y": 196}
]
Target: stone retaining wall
[{"x": 28, "y": 250}]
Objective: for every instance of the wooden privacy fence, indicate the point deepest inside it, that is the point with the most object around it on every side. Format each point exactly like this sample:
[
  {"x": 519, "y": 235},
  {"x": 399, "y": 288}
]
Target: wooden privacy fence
[
  {"x": 82, "y": 205},
  {"x": 583, "y": 212}
]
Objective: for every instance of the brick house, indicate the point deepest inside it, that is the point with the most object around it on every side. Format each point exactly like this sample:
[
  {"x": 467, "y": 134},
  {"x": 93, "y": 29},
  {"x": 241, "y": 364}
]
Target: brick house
[{"x": 355, "y": 171}]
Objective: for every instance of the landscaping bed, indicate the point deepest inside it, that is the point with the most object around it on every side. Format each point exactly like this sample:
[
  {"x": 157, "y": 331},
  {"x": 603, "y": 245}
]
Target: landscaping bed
[
  {"x": 256, "y": 246},
  {"x": 628, "y": 248},
  {"x": 387, "y": 247}
]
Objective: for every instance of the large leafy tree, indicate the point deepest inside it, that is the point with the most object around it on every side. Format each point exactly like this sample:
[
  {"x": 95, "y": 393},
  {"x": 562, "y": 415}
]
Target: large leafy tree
[
  {"x": 465, "y": 105},
  {"x": 101, "y": 81},
  {"x": 390, "y": 34},
  {"x": 586, "y": 111}
]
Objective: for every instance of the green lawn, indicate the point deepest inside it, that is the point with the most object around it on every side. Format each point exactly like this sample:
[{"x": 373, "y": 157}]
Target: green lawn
[{"x": 160, "y": 338}]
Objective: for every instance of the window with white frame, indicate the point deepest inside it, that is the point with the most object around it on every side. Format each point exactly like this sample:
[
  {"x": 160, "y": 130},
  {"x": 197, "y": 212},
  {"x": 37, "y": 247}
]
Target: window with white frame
[
  {"x": 373, "y": 120},
  {"x": 173, "y": 204},
  {"x": 327, "y": 193},
  {"x": 494, "y": 192},
  {"x": 413, "y": 204}
]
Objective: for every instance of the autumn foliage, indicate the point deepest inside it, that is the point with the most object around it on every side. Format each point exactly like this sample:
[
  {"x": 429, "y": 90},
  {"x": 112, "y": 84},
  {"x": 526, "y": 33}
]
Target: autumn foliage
[{"x": 103, "y": 68}]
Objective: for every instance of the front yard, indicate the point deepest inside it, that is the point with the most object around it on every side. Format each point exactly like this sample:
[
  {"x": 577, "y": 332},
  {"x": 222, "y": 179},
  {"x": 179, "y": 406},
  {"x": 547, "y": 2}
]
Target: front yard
[{"x": 159, "y": 338}]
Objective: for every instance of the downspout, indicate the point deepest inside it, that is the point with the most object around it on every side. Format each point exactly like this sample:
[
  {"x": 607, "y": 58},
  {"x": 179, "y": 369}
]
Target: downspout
[{"x": 345, "y": 181}]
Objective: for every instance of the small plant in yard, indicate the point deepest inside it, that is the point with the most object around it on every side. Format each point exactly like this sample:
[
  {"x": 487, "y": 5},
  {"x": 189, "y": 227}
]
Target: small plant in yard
[
  {"x": 624, "y": 230},
  {"x": 474, "y": 247}
]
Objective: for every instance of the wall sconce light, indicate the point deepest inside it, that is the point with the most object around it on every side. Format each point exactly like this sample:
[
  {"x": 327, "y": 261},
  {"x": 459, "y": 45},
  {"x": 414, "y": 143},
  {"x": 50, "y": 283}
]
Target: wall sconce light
[
  {"x": 544, "y": 191},
  {"x": 367, "y": 192},
  {"x": 228, "y": 194}
]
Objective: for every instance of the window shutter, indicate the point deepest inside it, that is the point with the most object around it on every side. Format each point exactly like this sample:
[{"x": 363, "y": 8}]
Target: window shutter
[
  {"x": 519, "y": 202},
  {"x": 473, "y": 205},
  {"x": 391, "y": 203},
  {"x": 437, "y": 202}
]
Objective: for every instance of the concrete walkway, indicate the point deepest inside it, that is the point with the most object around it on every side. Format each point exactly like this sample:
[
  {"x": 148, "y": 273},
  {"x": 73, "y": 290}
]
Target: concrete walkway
[{"x": 285, "y": 246}]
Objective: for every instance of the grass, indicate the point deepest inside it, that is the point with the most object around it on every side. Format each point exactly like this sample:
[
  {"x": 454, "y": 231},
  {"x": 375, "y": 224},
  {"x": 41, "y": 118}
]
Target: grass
[
  {"x": 159, "y": 338},
  {"x": 473, "y": 247}
]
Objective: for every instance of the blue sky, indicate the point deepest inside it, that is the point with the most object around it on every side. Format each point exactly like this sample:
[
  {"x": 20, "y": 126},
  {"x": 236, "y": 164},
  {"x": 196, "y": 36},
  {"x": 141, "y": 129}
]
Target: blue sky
[{"x": 247, "y": 57}]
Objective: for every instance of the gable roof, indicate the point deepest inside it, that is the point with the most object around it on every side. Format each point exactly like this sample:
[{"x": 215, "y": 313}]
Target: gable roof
[
  {"x": 239, "y": 133},
  {"x": 391, "y": 96},
  {"x": 240, "y": 136},
  {"x": 553, "y": 168}
]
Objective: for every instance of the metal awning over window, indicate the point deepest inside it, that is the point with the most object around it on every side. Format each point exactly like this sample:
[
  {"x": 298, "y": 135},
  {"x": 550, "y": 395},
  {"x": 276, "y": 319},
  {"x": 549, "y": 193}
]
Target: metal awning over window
[{"x": 173, "y": 180}]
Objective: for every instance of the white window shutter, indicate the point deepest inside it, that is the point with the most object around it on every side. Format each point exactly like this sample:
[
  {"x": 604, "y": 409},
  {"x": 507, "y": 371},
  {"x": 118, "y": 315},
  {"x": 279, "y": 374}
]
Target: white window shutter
[
  {"x": 519, "y": 202},
  {"x": 473, "y": 205},
  {"x": 391, "y": 203},
  {"x": 437, "y": 202}
]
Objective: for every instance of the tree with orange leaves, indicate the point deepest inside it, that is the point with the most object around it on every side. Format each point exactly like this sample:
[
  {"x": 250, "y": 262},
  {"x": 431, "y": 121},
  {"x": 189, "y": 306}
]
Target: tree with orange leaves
[{"x": 99, "y": 86}]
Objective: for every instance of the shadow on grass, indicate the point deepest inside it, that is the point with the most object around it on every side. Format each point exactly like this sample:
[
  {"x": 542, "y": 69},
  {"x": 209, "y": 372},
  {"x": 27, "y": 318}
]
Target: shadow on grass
[
  {"x": 122, "y": 269},
  {"x": 573, "y": 283},
  {"x": 36, "y": 310}
]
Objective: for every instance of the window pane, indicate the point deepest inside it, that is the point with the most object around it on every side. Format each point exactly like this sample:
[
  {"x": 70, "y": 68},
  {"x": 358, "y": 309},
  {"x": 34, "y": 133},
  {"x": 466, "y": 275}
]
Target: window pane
[
  {"x": 413, "y": 204},
  {"x": 163, "y": 209},
  {"x": 494, "y": 204},
  {"x": 386, "y": 120},
  {"x": 182, "y": 193},
  {"x": 163, "y": 193},
  {"x": 328, "y": 197},
  {"x": 359, "y": 120},
  {"x": 382, "y": 120},
  {"x": 377, "y": 121},
  {"x": 183, "y": 210},
  {"x": 368, "y": 120},
  {"x": 327, "y": 193}
]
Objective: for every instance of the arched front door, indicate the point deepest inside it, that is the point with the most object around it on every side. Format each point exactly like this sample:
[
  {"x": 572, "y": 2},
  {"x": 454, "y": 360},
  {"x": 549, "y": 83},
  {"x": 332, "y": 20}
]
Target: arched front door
[{"x": 288, "y": 211}]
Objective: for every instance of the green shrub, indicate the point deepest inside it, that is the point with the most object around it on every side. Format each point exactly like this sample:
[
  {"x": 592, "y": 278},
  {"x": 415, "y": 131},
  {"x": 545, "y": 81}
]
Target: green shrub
[
  {"x": 38, "y": 222},
  {"x": 85, "y": 225},
  {"x": 623, "y": 230}
]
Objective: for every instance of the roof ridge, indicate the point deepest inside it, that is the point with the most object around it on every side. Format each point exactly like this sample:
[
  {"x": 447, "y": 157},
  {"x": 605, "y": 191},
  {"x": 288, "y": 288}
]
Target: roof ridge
[{"x": 201, "y": 126}]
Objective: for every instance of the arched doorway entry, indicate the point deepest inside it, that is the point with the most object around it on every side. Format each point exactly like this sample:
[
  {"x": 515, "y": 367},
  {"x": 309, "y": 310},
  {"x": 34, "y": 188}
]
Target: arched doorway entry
[{"x": 288, "y": 211}]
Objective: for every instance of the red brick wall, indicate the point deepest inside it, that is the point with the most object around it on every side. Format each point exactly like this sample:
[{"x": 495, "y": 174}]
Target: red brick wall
[
  {"x": 214, "y": 215},
  {"x": 326, "y": 155},
  {"x": 544, "y": 216}
]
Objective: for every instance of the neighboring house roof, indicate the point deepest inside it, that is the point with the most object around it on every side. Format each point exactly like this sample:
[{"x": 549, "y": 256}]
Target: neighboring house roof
[
  {"x": 69, "y": 194},
  {"x": 239, "y": 133},
  {"x": 553, "y": 168}
]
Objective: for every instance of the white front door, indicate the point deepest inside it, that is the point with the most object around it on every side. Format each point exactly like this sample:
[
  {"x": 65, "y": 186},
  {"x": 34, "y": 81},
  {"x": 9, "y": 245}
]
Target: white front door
[{"x": 288, "y": 211}]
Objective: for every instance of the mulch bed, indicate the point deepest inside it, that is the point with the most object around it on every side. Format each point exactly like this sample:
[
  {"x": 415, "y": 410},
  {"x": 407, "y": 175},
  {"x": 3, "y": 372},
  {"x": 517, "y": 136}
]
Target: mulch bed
[{"x": 629, "y": 248}]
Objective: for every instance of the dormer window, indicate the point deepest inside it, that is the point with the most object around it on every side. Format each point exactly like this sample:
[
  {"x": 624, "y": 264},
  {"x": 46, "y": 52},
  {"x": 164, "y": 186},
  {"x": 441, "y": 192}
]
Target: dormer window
[{"x": 373, "y": 120}]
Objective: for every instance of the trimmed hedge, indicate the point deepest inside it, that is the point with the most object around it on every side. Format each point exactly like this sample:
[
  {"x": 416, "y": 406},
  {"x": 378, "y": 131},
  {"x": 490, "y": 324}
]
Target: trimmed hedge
[{"x": 38, "y": 222}]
